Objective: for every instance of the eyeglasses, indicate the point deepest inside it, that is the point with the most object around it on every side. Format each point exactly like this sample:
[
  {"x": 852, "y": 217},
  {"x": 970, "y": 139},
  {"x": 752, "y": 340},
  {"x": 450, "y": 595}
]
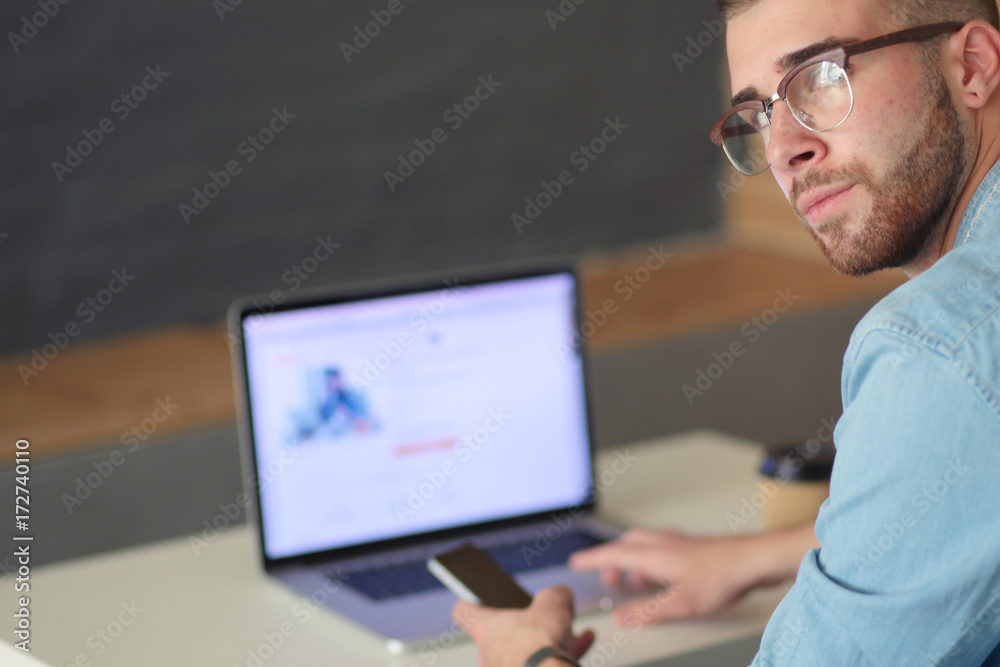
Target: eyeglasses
[{"x": 817, "y": 92}]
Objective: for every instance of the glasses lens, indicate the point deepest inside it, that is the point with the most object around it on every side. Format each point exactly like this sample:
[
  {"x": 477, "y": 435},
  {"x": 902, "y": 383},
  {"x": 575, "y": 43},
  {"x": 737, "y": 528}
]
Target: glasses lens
[
  {"x": 820, "y": 96},
  {"x": 744, "y": 137}
]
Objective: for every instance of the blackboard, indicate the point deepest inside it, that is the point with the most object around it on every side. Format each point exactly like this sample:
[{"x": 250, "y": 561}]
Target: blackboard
[{"x": 162, "y": 158}]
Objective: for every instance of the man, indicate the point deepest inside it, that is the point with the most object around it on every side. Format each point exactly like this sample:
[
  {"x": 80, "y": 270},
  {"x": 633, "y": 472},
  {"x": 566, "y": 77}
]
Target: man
[
  {"x": 342, "y": 407},
  {"x": 887, "y": 151}
]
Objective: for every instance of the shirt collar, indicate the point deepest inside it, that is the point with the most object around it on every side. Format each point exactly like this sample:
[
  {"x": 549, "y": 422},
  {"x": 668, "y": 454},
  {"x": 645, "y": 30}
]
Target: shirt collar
[{"x": 982, "y": 209}]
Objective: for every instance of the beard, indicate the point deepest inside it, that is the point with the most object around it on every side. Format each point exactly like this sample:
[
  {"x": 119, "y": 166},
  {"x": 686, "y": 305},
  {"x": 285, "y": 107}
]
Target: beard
[{"x": 909, "y": 203}]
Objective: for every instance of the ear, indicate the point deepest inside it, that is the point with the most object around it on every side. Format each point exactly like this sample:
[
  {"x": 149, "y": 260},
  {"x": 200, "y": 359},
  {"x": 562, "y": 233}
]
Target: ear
[{"x": 972, "y": 57}]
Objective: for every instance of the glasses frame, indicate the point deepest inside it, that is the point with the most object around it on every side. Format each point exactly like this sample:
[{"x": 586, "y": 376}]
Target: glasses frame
[{"x": 839, "y": 56}]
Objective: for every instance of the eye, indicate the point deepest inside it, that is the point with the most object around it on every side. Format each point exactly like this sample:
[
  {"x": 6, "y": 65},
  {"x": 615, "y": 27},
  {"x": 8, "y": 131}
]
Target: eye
[
  {"x": 826, "y": 75},
  {"x": 758, "y": 121}
]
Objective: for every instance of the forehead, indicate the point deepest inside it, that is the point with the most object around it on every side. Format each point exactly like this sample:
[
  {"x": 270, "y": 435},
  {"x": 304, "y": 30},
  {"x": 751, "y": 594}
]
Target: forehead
[{"x": 757, "y": 39}]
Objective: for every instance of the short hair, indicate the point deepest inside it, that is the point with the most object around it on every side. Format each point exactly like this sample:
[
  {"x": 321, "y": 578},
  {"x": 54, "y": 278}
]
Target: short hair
[{"x": 907, "y": 13}]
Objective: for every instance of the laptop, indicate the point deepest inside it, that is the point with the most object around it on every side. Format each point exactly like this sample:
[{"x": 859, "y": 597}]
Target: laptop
[{"x": 384, "y": 423}]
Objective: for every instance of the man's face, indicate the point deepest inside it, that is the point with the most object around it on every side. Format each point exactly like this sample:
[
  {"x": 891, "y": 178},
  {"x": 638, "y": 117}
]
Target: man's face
[{"x": 878, "y": 190}]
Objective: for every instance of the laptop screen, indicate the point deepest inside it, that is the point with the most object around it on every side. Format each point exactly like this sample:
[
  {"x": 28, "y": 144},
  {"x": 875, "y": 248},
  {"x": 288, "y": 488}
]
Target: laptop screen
[{"x": 397, "y": 415}]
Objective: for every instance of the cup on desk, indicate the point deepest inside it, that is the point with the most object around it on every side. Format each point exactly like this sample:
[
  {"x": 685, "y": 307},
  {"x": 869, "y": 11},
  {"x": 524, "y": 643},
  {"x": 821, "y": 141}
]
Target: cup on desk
[{"x": 798, "y": 476}]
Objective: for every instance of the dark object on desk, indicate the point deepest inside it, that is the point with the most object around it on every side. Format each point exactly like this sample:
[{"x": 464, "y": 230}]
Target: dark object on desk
[
  {"x": 796, "y": 481},
  {"x": 811, "y": 461}
]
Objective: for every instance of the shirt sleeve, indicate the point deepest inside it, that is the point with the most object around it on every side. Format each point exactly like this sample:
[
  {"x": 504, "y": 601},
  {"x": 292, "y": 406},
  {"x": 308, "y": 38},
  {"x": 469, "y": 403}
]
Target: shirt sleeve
[{"x": 909, "y": 568}]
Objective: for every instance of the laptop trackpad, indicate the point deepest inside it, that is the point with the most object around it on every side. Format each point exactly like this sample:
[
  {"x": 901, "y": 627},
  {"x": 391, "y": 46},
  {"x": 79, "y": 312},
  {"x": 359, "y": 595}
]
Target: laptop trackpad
[{"x": 589, "y": 593}]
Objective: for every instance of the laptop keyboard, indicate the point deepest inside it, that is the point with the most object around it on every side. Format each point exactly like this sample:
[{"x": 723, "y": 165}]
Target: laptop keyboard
[{"x": 413, "y": 577}]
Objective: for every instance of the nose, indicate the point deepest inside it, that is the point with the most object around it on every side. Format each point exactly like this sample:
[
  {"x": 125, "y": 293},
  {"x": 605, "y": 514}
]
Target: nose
[{"x": 792, "y": 147}]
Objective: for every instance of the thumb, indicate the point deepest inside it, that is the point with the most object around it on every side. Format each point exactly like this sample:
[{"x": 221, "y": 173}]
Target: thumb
[{"x": 582, "y": 643}]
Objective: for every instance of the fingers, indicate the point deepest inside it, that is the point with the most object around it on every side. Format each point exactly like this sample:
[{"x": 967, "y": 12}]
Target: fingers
[
  {"x": 633, "y": 581},
  {"x": 638, "y": 582},
  {"x": 642, "y": 536},
  {"x": 556, "y": 604},
  {"x": 591, "y": 559},
  {"x": 662, "y": 607},
  {"x": 556, "y": 598},
  {"x": 617, "y": 555},
  {"x": 612, "y": 577},
  {"x": 669, "y": 604},
  {"x": 634, "y": 537},
  {"x": 581, "y": 644},
  {"x": 507, "y": 636},
  {"x": 631, "y": 536}
]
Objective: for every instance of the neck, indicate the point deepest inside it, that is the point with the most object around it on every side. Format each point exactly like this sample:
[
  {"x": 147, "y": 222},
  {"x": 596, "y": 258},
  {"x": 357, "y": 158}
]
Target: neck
[{"x": 987, "y": 155}]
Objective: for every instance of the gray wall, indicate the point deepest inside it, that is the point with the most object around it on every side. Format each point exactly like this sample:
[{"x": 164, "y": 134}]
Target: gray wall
[{"x": 324, "y": 174}]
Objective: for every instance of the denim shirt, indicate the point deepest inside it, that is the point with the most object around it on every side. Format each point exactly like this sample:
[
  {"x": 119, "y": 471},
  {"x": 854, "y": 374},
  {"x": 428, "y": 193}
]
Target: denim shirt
[{"x": 909, "y": 568}]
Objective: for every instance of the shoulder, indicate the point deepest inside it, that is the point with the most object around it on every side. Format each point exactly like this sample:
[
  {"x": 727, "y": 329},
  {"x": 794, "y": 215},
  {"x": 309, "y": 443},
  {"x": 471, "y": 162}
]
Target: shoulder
[
  {"x": 946, "y": 308},
  {"x": 950, "y": 313}
]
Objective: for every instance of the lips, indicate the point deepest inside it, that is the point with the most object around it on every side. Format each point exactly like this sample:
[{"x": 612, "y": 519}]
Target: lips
[{"x": 822, "y": 202}]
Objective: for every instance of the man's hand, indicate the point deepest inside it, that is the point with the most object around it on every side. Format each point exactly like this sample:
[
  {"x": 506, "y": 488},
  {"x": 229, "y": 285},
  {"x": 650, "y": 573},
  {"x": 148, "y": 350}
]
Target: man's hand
[
  {"x": 507, "y": 637},
  {"x": 705, "y": 575}
]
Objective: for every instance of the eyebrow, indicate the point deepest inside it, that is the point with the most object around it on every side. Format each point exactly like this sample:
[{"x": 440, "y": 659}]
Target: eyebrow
[{"x": 790, "y": 61}]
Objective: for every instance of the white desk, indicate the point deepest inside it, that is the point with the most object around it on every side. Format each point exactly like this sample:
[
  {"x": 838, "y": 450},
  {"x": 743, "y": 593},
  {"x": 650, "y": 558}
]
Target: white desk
[{"x": 214, "y": 608}]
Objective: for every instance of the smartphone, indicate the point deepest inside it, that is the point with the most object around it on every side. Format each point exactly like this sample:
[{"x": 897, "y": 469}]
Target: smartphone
[{"x": 472, "y": 575}]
